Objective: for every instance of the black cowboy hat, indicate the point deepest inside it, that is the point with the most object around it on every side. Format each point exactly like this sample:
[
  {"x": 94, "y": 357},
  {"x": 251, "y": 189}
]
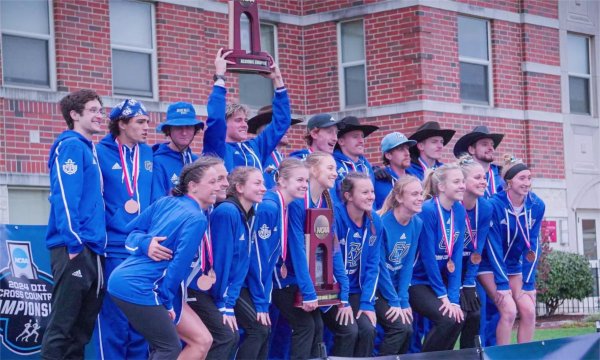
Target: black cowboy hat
[
  {"x": 351, "y": 123},
  {"x": 478, "y": 133},
  {"x": 427, "y": 130},
  {"x": 264, "y": 117}
]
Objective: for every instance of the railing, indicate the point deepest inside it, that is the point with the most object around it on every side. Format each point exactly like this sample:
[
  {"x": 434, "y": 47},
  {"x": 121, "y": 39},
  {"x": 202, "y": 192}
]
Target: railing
[{"x": 587, "y": 306}]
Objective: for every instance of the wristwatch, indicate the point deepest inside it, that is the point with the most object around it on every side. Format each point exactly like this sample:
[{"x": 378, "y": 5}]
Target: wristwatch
[{"x": 217, "y": 77}]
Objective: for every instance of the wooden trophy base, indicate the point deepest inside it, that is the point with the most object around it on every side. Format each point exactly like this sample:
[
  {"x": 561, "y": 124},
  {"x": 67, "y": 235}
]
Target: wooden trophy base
[
  {"x": 249, "y": 63},
  {"x": 326, "y": 296}
]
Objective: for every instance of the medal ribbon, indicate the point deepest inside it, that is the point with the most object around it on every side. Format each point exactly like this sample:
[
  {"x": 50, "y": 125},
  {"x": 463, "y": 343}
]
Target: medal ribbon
[
  {"x": 275, "y": 158},
  {"x": 131, "y": 182},
  {"x": 284, "y": 226},
  {"x": 449, "y": 243},
  {"x": 526, "y": 237},
  {"x": 491, "y": 181},
  {"x": 470, "y": 228},
  {"x": 206, "y": 243}
]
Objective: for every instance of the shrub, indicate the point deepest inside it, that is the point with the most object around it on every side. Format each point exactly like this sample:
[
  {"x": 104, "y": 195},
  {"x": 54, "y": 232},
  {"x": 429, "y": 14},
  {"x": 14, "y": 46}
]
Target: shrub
[{"x": 563, "y": 276}]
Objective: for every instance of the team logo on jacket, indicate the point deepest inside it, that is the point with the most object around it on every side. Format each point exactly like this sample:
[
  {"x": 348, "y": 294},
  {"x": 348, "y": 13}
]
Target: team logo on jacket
[
  {"x": 69, "y": 167},
  {"x": 353, "y": 257},
  {"x": 468, "y": 239},
  {"x": 442, "y": 244},
  {"x": 148, "y": 165},
  {"x": 175, "y": 179},
  {"x": 25, "y": 300},
  {"x": 264, "y": 232},
  {"x": 372, "y": 240},
  {"x": 341, "y": 171},
  {"x": 398, "y": 253}
]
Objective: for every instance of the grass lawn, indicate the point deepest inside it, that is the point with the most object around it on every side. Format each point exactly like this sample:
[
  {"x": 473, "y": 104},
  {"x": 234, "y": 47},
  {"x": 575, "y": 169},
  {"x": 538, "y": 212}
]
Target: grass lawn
[{"x": 545, "y": 334}]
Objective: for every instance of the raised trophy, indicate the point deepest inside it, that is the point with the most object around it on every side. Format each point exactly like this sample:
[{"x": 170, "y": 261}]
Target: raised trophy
[
  {"x": 319, "y": 242},
  {"x": 254, "y": 61}
]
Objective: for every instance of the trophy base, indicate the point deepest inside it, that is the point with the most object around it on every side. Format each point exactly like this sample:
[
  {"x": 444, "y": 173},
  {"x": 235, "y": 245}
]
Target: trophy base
[
  {"x": 249, "y": 63},
  {"x": 326, "y": 296}
]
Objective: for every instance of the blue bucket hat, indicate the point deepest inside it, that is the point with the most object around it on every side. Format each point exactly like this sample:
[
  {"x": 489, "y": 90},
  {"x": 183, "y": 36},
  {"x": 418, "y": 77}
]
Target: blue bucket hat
[
  {"x": 180, "y": 114},
  {"x": 393, "y": 140},
  {"x": 127, "y": 109}
]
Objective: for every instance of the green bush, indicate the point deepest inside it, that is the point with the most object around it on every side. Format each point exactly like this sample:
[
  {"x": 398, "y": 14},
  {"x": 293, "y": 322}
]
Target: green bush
[{"x": 563, "y": 276}]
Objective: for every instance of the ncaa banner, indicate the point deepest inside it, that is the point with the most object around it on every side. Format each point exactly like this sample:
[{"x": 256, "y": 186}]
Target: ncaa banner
[{"x": 25, "y": 290}]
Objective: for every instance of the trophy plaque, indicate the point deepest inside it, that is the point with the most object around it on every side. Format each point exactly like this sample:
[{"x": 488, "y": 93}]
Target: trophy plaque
[
  {"x": 319, "y": 245},
  {"x": 255, "y": 61}
]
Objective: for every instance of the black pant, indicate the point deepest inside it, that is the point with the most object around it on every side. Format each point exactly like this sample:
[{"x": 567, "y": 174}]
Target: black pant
[
  {"x": 225, "y": 340},
  {"x": 470, "y": 329},
  {"x": 445, "y": 330},
  {"x": 307, "y": 328},
  {"x": 397, "y": 335},
  {"x": 155, "y": 325},
  {"x": 76, "y": 300},
  {"x": 352, "y": 340},
  {"x": 256, "y": 340}
]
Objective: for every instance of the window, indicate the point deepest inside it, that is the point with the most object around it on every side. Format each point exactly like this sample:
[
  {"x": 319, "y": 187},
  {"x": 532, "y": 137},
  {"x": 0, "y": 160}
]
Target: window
[
  {"x": 352, "y": 64},
  {"x": 28, "y": 206},
  {"x": 133, "y": 50},
  {"x": 255, "y": 90},
  {"x": 27, "y": 42},
  {"x": 474, "y": 58},
  {"x": 579, "y": 74}
]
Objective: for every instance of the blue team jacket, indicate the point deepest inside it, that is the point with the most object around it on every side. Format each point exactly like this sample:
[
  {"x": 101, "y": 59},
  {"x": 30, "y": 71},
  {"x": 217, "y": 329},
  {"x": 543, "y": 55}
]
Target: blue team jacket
[
  {"x": 301, "y": 154},
  {"x": 398, "y": 250},
  {"x": 76, "y": 203},
  {"x": 360, "y": 250},
  {"x": 296, "y": 263},
  {"x": 255, "y": 152},
  {"x": 384, "y": 187},
  {"x": 416, "y": 169},
  {"x": 230, "y": 231},
  {"x": 430, "y": 265},
  {"x": 270, "y": 165},
  {"x": 167, "y": 167},
  {"x": 344, "y": 165},
  {"x": 143, "y": 281},
  {"x": 481, "y": 229},
  {"x": 507, "y": 251},
  {"x": 115, "y": 191},
  {"x": 498, "y": 181}
]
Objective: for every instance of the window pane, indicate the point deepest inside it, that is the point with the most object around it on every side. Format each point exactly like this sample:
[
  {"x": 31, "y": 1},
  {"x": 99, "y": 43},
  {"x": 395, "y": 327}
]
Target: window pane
[
  {"x": 255, "y": 90},
  {"x": 472, "y": 38},
  {"x": 131, "y": 73},
  {"x": 590, "y": 239},
  {"x": 354, "y": 82},
  {"x": 353, "y": 44},
  {"x": 474, "y": 83},
  {"x": 131, "y": 24},
  {"x": 267, "y": 38},
  {"x": 578, "y": 54},
  {"x": 25, "y": 61},
  {"x": 28, "y": 16},
  {"x": 28, "y": 206},
  {"x": 579, "y": 95},
  {"x": 245, "y": 32}
]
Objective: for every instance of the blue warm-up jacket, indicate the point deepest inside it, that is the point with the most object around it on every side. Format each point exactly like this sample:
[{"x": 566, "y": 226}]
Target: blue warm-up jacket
[{"x": 481, "y": 221}]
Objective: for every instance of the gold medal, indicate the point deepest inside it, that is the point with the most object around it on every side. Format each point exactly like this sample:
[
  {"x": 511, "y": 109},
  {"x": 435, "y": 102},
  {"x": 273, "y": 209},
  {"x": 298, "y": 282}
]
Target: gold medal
[
  {"x": 283, "y": 271},
  {"x": 475, "y": 258},
  {"x": 450, "y": 266},
  {"x": 131, "y": 206},
  {"x": 530, "y": 256},
  {"x": 204, "y": 282}
]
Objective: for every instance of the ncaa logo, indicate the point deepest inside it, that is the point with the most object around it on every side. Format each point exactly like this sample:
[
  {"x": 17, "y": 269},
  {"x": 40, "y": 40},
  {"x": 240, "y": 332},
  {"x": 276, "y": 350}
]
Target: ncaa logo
[{"x": 20, "y": 258}]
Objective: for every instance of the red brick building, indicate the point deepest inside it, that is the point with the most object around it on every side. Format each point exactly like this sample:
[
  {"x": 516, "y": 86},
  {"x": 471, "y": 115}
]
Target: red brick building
[{"x": 526, "y": 68}]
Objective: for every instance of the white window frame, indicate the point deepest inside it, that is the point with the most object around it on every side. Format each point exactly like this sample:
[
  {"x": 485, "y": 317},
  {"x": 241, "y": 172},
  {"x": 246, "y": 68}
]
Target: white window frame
[
  {"x": 152, "y": 52},
  {"x": 51, "y": 53},
  {"x": 275, "y": 55},
  {"x": 588, "y": 39},
  {"x": 342, "y": 66},
  {"x": 476, "y": 61}
]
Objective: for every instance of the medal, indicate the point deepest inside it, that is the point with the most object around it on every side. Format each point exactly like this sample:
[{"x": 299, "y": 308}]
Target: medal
[
  {"x": 204, "y": 283},
  {"x": 450, "y": 266},
  {"x": 131, "y": 206},
  {"x": 530, "y": 256},
  {"x": 284, "y": 231},
  {"x": 473, "y": 234},
  {"x": 475, "y": 258},
  {"x": 283, "y": 271}
]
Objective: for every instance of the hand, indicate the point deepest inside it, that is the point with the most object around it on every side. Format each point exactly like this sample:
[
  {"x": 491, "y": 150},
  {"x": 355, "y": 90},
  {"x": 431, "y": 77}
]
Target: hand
[
  {"x": 406, "y": 316},
  {"x": 263, "y": 318},
  {"x": 221, "y": 63},
  {"x": 381, "y": 174},
  {"x": 369, "y": 314},
  {"x": 446, "y": 307},
  {"x": 459, "y": 315},
  {"x": 275, "y": 75},
  {"x": 500, "y": 296},
  {"x": 157, "y": 252},
  {"x": 171, "y": 314},
  {"x": 310, "y": 306},
  {"x": 393, "y": 313},
  {"x": 344, "y": 315},
  {"x": 230, "y": 321}
]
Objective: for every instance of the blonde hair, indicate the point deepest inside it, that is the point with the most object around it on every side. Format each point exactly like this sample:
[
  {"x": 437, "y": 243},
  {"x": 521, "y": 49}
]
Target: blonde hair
[
  {"x": 232, "y": 108},
  {"x": 509, "y": 161},
  {"x": 314, "y": 159},
  {"x": 239, "y": 176},
  {"x": 391, "y": 201},
  {"x": 433, "y": 178},
  {"x": 467, "y": 163},
  {"x": 287, "y": 166}
]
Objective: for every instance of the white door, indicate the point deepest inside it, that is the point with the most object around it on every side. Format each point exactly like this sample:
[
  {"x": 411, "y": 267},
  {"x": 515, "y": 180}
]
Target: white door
[{"x": 588, "y": 231}]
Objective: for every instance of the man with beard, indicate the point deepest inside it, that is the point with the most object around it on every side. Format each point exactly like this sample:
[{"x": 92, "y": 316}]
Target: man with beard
[
  {"x": 321, "y": 135},
  {"x": 481, "y": 144},
  {"x": 256, "y": 125},
  {"x": 396, "y": 159},
  {"x": 431, "y": 139}
]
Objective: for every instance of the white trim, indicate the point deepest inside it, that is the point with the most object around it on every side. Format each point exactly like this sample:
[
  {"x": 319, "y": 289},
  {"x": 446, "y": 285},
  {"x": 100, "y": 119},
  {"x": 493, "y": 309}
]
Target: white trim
[
  {"x": 64, "y": 199},
  {"x": 539, "y": 68},
  {"x": 343, "y": 65}
]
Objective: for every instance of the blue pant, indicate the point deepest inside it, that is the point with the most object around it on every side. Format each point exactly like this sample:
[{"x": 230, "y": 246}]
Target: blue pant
[{"x": 115, "y": 337}]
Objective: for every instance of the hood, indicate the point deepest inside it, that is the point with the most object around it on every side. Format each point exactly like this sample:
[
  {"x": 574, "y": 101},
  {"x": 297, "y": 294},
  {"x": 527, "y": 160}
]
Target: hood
[
  {"x": 109, "y": 141},
  {"x": 339, "y": 155},
  {"x": 68, "y": 134},
  {"x": 233, "y": 200}
]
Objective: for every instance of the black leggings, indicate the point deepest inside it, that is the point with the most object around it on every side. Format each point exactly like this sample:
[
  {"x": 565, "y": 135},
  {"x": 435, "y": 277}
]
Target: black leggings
[
  {"x": 256, "y": 341},
  {"x": 155, "y": 325},
  {"x": 445, "y": 330},
  {"x": 397, "y": 335}
]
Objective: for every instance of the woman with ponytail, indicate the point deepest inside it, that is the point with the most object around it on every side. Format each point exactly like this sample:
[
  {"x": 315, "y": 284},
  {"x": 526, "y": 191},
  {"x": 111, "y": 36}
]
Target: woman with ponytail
[
  {"x": 436, "y": 280},
  {"x": 305, "y": 321},
  {"x": 507, "y": 271},
  {"x": 149, "y": 292},
  {"x": 269, "y": 252},
  {"x": 478, "y": 219},
  {"x": 401, "y": 230},
  {"x": 214, "y": 291},
  {"x": 358, "y": 229}
]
